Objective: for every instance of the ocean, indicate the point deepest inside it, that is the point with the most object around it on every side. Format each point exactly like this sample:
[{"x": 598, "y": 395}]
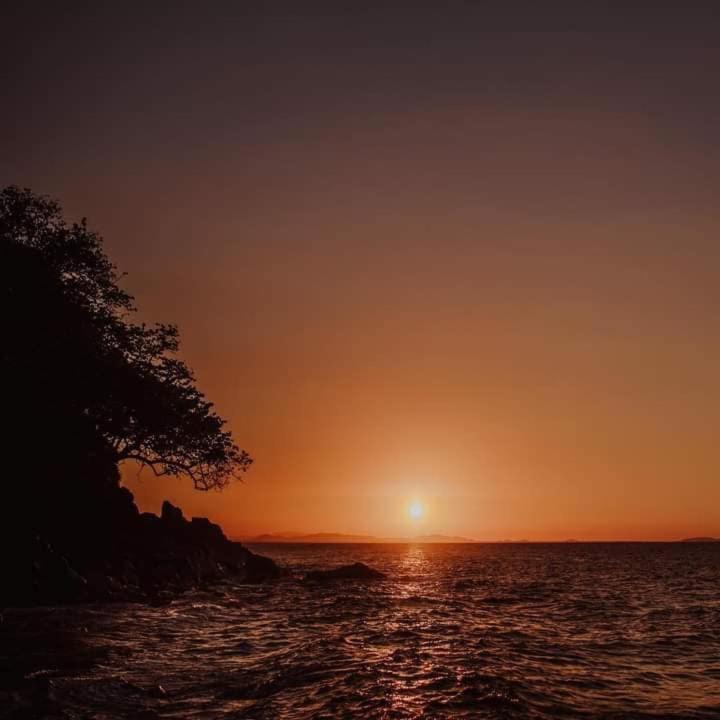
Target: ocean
[{"x": 625, "y": 630}]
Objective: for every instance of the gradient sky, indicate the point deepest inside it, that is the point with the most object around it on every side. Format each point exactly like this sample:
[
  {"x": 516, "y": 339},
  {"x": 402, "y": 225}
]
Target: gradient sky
[{"x": 411, "y": 254}]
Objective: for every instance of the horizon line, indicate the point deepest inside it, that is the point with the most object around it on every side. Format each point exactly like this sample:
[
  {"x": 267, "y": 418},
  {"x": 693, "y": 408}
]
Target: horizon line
[{"x": 331, "y": 538}]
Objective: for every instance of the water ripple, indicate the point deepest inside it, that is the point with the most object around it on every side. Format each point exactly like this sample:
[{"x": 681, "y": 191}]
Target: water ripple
[{"x": 555, "y": 631}]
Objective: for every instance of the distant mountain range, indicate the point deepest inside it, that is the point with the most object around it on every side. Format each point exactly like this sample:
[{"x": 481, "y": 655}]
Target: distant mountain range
[
  {"x": 700, "y": 540},
  {"x": 291, "y": 537}
]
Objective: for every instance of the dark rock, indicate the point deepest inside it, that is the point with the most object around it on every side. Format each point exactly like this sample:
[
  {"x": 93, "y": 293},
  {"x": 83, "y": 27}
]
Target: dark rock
[
  {"x": 53, "y": 576},
  {"x": 171, "y": 515},
  {"x": 107, "y": 551},
  {"x": 356, "y": 571},
  {"x": 206, "y": 532},
  {"x": 259, "y": 569}
]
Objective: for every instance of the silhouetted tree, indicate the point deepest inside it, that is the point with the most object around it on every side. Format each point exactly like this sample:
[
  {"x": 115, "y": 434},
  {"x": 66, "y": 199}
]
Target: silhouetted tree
[{"x": 78, "y": 370}]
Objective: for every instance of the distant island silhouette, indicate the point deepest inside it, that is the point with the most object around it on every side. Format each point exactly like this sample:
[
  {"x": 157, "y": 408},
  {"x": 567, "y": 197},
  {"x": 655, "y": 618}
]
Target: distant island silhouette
[
  {"x": 327, "y": 537},
  {"x": 701, "y": 540}
]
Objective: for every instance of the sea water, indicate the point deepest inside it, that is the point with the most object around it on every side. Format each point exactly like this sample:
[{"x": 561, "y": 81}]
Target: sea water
[{"x": 455, "y": 631}]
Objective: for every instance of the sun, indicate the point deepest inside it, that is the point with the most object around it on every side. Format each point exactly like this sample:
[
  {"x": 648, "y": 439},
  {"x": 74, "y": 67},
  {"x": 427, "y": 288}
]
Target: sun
[{"x": 416, "y": 510}]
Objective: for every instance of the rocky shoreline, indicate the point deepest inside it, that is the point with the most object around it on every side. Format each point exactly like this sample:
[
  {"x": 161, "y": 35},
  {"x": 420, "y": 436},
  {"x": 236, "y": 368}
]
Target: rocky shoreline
[
  {"x": 140, "y": 557},
  {"x": 100, "y": 548}
]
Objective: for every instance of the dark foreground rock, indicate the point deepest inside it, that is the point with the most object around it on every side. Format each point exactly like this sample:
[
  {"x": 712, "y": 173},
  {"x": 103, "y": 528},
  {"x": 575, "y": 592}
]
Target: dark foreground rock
[
  {"x": 125, "y": 555},
  {"x": 356, "y": 571}
]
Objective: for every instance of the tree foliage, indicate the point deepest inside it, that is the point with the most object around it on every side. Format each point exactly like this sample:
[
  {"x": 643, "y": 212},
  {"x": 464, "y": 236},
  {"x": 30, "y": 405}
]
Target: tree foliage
[{"x": 77, "y": 359}]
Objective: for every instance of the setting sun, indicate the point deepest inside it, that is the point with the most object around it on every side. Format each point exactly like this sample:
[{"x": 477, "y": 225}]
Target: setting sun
[{"x": 416, "y": 510}]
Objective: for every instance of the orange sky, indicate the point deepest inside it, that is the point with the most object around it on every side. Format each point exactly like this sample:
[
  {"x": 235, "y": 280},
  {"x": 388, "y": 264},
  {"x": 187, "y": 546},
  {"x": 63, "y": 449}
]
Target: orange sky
[
  {"x": 408, "y": 261},
  {"x": 519, "y": 394}
]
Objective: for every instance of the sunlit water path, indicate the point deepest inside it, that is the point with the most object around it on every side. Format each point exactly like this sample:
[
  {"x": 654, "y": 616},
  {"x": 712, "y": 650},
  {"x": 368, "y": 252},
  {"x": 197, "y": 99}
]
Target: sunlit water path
[{"x": 456, "y": 631}]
